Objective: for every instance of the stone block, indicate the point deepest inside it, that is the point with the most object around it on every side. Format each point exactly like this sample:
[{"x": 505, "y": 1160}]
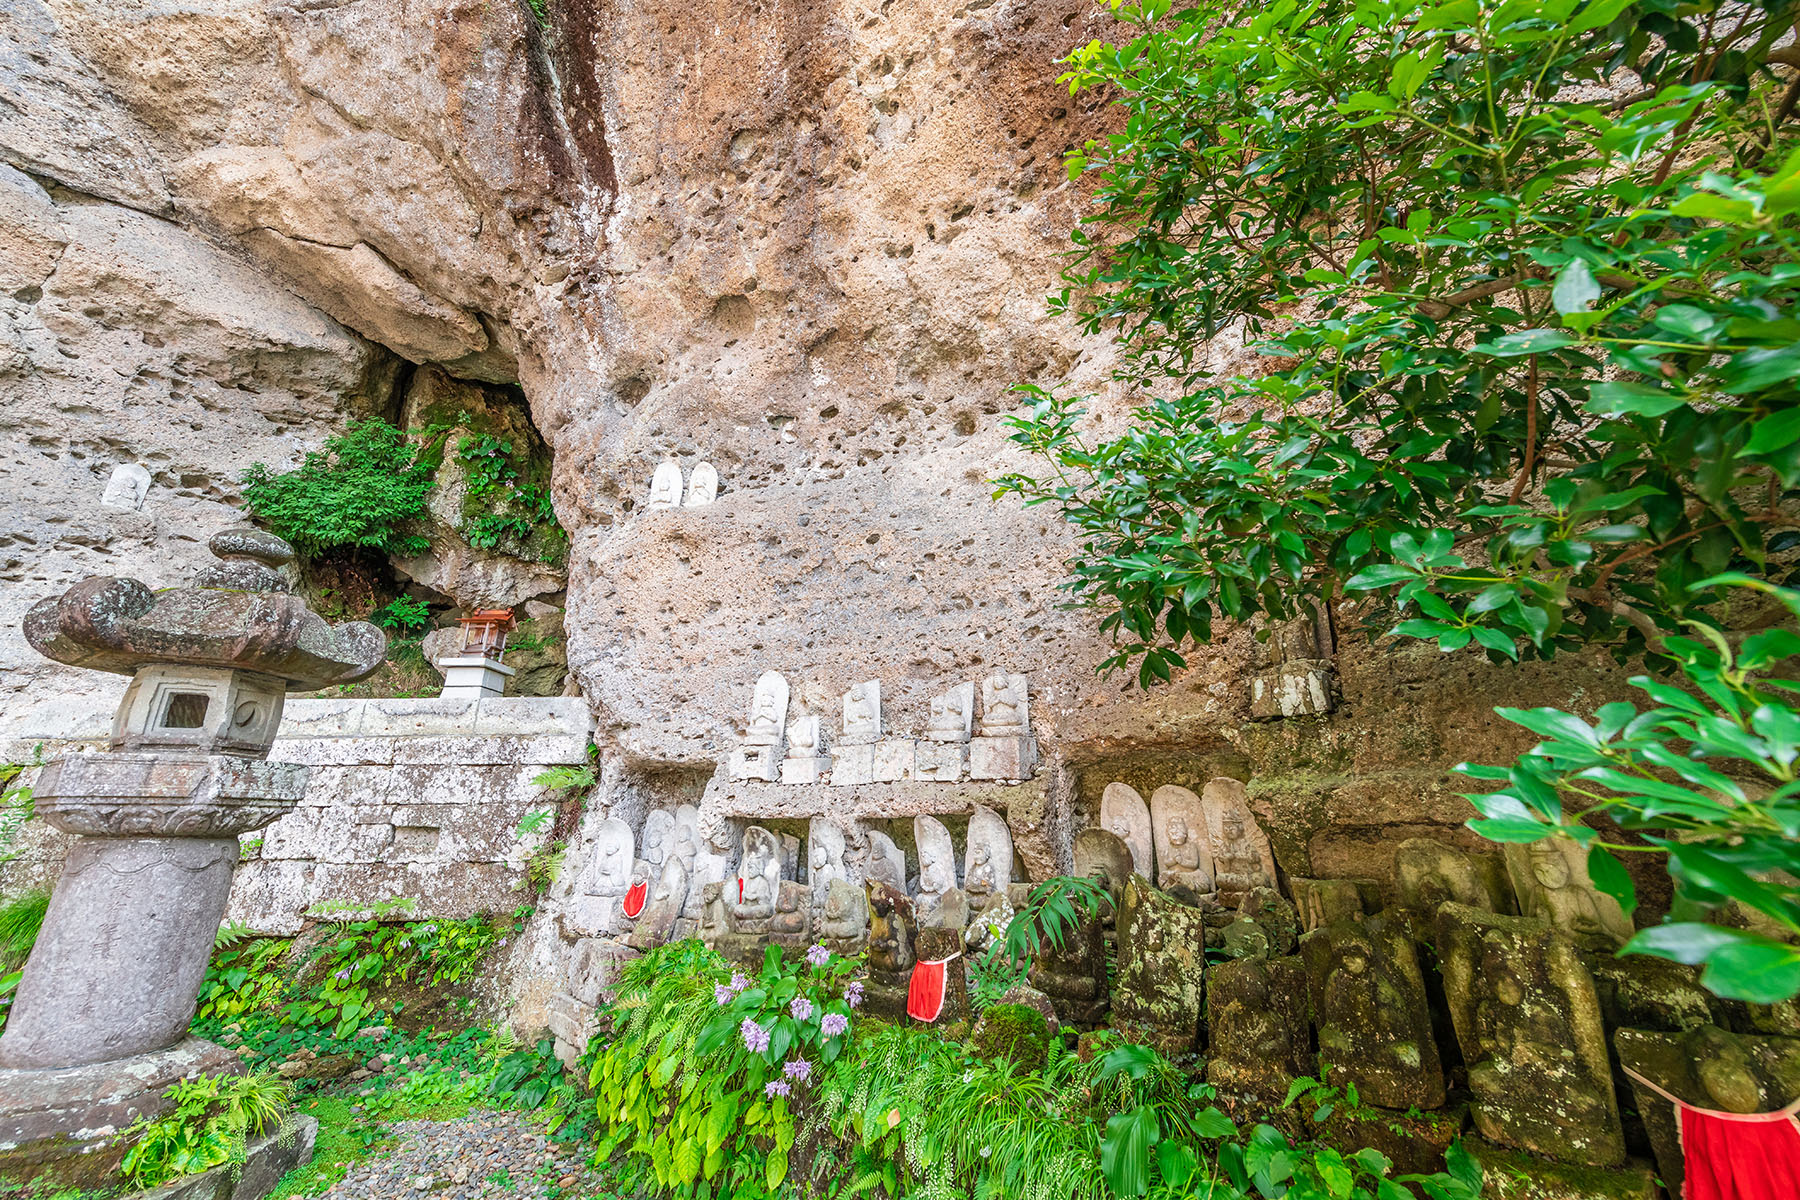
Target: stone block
[
  {"x": 334, "y": 752},
  {"x": 1293, "y": 689},
  {"x": 316, "y": 718},
  {"x": 896, "y": 760},
  {"x": 534, "y": 716},
  {"x": 1162, "y": 961},
  {"x": 592, "y": 966},
  {"x": 1002, "y": 757},
  {"x": 1259, "y": 1025},
  {"x": 759, "y": 763},
  {"x": 436, "y": 717},
  {"x": 851, "y": 765},
  {"x": 942, "y": 762},
  {"x": 805, "y": 770},
  {"x": 1368, "y": 1000}
]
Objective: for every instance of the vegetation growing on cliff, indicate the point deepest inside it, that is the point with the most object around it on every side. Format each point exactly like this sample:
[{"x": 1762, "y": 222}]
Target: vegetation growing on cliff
[
  {"x": 356, "y": 492},
  {"x": 1526, "y": 274}
]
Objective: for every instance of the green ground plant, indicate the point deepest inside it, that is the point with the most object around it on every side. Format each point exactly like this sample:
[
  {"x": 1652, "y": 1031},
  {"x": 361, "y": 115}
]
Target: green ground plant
[
  {"x": 403, "y": 613},
  {"x": 212, "y": 1119},
  {"x": 358, "y": 491},
  {"x": 20, "y": 920}
]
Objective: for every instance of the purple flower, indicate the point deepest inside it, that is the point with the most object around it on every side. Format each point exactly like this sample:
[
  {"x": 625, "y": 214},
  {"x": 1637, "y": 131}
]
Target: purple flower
[
  {"x": 777, "y": 1087},
  {"x": 801, "y": 1008},
  {"x": 832, "y": 1024},
  {"x": 799, "y": 1069},
  {"x": 818, "y": 956},
  {"x": 722, "y": 994},
  {"x": 756, "y": 1038},
  {"x": 853, "y": 994},
  {"x": 343, "y": 974},
  {"x": 739, "y": 981}
]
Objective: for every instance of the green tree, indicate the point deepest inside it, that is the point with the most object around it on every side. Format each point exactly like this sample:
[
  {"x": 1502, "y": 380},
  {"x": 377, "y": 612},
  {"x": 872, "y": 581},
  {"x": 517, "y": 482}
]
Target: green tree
[
  {"x": 1525, "y": 271},
  {"x": 356, "y": 492}
]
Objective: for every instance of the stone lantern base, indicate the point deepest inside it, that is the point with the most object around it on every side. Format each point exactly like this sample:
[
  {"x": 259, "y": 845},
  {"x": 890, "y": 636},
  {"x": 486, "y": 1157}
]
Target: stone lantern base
[{"x": 63, "y": 1126}]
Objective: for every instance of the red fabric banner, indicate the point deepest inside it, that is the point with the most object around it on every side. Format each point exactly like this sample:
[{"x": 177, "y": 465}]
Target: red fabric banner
[
  {"x": 925, "y": 996},
  {"x": 634, "y": 899},
  {"x": 1735, "y": 1156}
]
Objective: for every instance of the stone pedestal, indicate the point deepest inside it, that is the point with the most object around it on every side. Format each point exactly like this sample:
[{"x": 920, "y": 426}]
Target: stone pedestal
[
  {"x": 1002, "y": 757},
  {"x": 942, "y": 762},
  {"x": 896, "y": 760},
  {"x": 805, "y": 770},
  {"x": 852, "y": 764},
  {"x": 473, "y": 676},
  {"x": 759, "y": 763}
]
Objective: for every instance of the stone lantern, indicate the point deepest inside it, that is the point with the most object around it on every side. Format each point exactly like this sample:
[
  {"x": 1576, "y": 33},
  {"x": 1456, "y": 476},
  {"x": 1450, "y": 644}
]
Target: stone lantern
[
  {"x": 475, "y": 671},
  {"x": 98, "y": 1026}
]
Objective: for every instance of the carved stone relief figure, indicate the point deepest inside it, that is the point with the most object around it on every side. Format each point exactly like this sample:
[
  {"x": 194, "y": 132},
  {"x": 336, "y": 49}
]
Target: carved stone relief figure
[
  {"x": 1368, "y": 997},
  {"x": 1101, "y": 852},
  {"x": 1183, "y": 858},
  {"x": 667, "y": 897},
  {"x": 1242, "y": 857},
  {"x": 768, "y": 710},
  {"x": 806, "y": 760},
  {"x": 1551, "y": 880},
  {"x": 937, "y": 866},
  {"x": 825, "y": 852},
  {"x": 887, "y": 862},
  {"x": 844, "y": 920},
  {"x": 659, "y": 829},
  {"x": 793, "y": 912},
  {"x": 952, "y": 715},
  {"x": 665, "y": 485},
  {"x": 1124, "y": 814},
  {"x": 1427, "y": 873},
  {"x": 712, "y": 863},
  {"x": 604, "y": 880},
  {"x": 891, "y": 926},
  {"x": 1528, "y": 1019},
  {"x": 1005, "y": 707},
  {"x": 703, "y": 486},
  {"x": 862, "y": 714},
  {"x": 1323, "y": 901},
  {"x": 1260, "y": 1027},
  {"x": 987, "y": 867},
  {"x": 758, "y": 880}
]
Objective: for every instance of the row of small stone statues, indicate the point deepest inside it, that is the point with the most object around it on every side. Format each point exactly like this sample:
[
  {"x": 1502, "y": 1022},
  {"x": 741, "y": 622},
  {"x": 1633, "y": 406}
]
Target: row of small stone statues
[
  {"x": 682, "y": 883},
  {"x": 952, "y": 748},
  {"x": 665, "y": 486}
]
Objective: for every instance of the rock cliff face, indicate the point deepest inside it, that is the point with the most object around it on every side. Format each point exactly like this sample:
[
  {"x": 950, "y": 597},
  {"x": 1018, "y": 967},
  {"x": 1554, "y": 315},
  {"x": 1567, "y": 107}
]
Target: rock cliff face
[{"x": 808, "y": 242}]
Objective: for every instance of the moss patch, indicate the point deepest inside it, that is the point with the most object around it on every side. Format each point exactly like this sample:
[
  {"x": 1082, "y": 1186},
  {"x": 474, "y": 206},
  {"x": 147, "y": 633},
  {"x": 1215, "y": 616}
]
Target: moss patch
[{"x": 1015, "y": 1033}]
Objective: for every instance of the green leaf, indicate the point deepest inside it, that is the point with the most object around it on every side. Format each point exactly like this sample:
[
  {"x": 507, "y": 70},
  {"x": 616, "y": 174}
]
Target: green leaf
[
  {"x": 1527, "y": 341},
  {"x": 1378, "y": 576},
  {"x": 1176, "y": 1162},
  {"x": 1610, "y": 876},
  {"x": 1125, "y": 1150},
  {"x": 1774, "y": 432},
  {"x": 1613, "y": 398},
  {"x": 1576, "y": 288}
]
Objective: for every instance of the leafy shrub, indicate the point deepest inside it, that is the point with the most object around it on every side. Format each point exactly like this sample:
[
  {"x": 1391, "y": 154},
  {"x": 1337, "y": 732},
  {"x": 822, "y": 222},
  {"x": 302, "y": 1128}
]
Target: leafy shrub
[
  {"x": 357, "y": 491},
  {"x": 20, "y": 920},
  {"x": 213, "y": 1117},
  {"x": 403, "y": 613},
  {"x": 993, "y": 973},
  {"x": 16, "y": 805},
  {"x": 1533, "y": 351},
  {"x": 1052, "y": 911},
  {"x": 1725, "y": 813},
  {"x": 562, "y": 779},
  {"x": 245, "y": 977}
]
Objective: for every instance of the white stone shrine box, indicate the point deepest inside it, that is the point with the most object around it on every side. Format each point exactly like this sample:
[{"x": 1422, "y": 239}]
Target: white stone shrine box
[{"x": 475, "y": 671}]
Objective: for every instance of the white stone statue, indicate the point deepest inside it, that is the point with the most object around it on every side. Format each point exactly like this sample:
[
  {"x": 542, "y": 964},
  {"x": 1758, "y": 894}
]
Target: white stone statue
[
  {"x": 1242, "y": 857},
  {"x": 1183, "y": 854},
  {"x": 862, "y": 714},
  {"x": 604, "y": 880},
  {"x": 752, "y": 897},
  {"x": 952, "y": 715},
  {"x": 937, "y": 866},
  {"x": 126, "y": 487},
  {"x": 1005, "y": 708},
  {"x": 887, "y": 862},
  {"x": 684, "y": 842},
  {"x": 665, "y": 486},
  {"x": 826, "y": 844},
  {"x": 659, "y": 831},
  {"x": 703, "y": 486},
  {"x": 768, "y": 710},
  {"x": 806, "y": 760},
  {"x": 712, "y": 864},
  {"x": 1124, "y": 814},
  {"x": 987, "y": 860}
]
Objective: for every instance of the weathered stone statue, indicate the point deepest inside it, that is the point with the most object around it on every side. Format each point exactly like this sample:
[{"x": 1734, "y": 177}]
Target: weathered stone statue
[
  {"x": 854, "y": 758},
  {"x": 1274, "y": 918},
  {"x": 862, "y": 714},
  {"x": 605, "y": 879},
  {"x": 1004, "y": 748},
  {"x": 758, "y": 881},
  {"x": 1322, "y": 902},
  {"x": 844, "y": 920},
  {"x": 1183, "y": 859},
  {"x": 1259, "y": 1025},
  {"x": 1368, "y": 997},
  {"x": 952, "y": 715},
  {"x": 806, "y": 760},
  {"x": 1124, "y": 814},
  {"x": 758, "y": 757},
  {"x": 1528, "y": 1020},
  {"x": 937, "y": 867},
  {"x": 792, "y": 922},
  {"x": 1103, "y": 854},
  {"x": 1427, "y": 873},
  {"x": 1073, "y": 975},
  {"x": 826, "y": 847},
  {"x": 891, "y": 927},
  {"x": 1162, "y": 957},
  {"x": 1550, "y": 879},
  {"x": 987, "y": 866},
  {"x": 667, "y": 896},
  {"x": 1708, "y": 1068},
  {"x": 98, "y": 1025},
  {"x": 1242, "y": 858},
  {"x": 665, "y": 485},
  {"x": 703, "y": 486},
  {"x": 887, "y": 862},
  {"x": 712, "y": 862}
]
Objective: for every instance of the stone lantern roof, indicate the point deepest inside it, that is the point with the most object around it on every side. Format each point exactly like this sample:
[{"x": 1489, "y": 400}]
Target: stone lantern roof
[{"x": 238, "y": 616}]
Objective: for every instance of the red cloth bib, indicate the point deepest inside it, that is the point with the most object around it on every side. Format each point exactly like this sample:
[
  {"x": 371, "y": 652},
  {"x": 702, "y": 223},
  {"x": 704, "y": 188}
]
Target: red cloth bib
[
  {"x": 1736, "y": 1156},
  {"x": 925, "y": 996},
  {"x": 634, "y": 899}
]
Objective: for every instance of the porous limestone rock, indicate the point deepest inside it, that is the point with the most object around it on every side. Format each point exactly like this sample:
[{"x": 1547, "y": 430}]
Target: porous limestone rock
[
  {"x": 1528, "y": 1020},
  {"x": 1368, "y": 998}
]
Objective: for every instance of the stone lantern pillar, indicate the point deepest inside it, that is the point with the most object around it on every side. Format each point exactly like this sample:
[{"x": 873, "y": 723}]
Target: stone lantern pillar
[{"x": 98, "y": 1026}]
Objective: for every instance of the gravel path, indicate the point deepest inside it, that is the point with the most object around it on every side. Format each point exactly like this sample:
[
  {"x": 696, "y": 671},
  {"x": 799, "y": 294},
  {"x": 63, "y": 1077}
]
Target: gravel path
[{"x": 492, "y": 1155}]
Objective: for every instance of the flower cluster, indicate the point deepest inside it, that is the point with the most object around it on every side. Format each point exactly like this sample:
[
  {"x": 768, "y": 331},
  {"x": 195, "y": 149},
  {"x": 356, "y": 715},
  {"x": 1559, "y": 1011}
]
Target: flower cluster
[
  {"x": 756, "y": 1038},
  {"x": 797, "y": 1068},
  {"x": 818, "y": 956},
  {"x": 777, "y": 1087},
  {"x": 832, "y": 1024},
  {"x": 853, "y": 993},
  {"x": 725, "y": 993},
  {"x": 801, "y": 1008}
]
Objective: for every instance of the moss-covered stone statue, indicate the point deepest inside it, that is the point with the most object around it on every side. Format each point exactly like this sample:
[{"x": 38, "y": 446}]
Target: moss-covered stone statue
[
  {"x": 1528, "y": 1020},
  {"x": 1162, "y": 958},
  {"x": 1259, "y": 1028},
  {"x": 1012, "y": 1033},
  {"x": 1368, "y": 996}
]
